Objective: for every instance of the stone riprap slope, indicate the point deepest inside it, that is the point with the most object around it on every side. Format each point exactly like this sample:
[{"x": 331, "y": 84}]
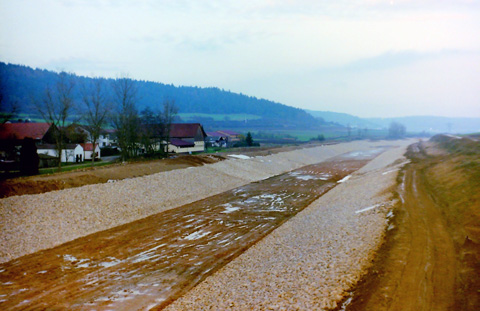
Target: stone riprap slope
[
  {"x": 309, "y": 262},
  {"x": 30, "y": 223}
]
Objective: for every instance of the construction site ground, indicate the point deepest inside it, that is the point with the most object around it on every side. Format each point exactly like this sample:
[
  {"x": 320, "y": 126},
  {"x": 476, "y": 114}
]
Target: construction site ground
[
  {"x": 430, "y": 259},
  {"x": 355, "y": 226}
]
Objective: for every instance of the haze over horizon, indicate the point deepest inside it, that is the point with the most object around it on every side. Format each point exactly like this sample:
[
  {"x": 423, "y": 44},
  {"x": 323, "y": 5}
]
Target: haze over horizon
[{"x": 367, "y": 58}]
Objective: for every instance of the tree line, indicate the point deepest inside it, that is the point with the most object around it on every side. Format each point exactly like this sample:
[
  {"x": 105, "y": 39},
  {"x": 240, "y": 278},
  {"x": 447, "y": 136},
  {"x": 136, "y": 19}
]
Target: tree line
[
  {"x": 20, "y": 82},
  {"x": 104, "y": 105}
]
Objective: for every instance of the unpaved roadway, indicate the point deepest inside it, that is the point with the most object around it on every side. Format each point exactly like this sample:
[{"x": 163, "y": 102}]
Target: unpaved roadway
[{"x": 419, "y": 267}]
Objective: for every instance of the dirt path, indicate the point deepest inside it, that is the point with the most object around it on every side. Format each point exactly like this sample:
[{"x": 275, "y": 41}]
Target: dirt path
[
  {"x": 148, "y": 263},
  {"x": 417, "y": 267}
]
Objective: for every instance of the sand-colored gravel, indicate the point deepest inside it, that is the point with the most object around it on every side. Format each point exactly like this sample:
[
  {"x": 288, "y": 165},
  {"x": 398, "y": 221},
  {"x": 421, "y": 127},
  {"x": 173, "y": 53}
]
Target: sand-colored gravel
[
  {"x": 30, "y": 223},
  {"x": 309, "y": 262}
]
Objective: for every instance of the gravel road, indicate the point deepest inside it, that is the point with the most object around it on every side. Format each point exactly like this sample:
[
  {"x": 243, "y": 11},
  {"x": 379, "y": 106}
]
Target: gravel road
[
  {"x": 309, "y": 262},
  {"x": 30, "y": 223}
]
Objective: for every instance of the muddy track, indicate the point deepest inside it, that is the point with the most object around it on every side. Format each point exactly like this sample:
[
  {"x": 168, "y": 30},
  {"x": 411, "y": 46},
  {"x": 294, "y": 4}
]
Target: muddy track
[
  {"x": 417, "y": 267},
  {"x": 150, "y": 262}
]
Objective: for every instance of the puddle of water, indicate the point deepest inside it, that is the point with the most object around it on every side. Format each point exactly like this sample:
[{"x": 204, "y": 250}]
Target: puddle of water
[
  {"x": 344, "y": 179},
  {"x": 196, "y": 235}
]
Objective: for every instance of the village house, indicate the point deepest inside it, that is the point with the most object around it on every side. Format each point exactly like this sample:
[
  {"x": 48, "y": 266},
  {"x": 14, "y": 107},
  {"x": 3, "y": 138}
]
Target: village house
[
  {"x": 216, "y": 139},
  {"x": 232, "y": 137},
  {"x": 12, "y": 135},
  {"x": 71, "y": 153},
  {"x": 89, "y": 152},
  {"x": 186, "y": 138},
  {"x": 107, "y": 138},
  {"x": 18, "y": 131}
]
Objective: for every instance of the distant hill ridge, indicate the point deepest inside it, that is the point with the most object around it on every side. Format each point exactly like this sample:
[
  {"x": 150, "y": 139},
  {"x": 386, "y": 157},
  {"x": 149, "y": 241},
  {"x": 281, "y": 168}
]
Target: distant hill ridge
[
  {"x": 19, "y": 83},
  {"x": 428, "y": 124}
]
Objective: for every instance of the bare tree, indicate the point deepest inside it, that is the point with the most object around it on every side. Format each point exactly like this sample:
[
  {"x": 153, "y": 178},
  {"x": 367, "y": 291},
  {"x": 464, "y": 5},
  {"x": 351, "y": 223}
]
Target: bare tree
[
  {"x": 125, "y": 119},
  {"x": 96, "y": 110},
  {"x": 167, "y": 116},
  {"x": 56, "y": 107},
  {"x": 150, "y": 123}
]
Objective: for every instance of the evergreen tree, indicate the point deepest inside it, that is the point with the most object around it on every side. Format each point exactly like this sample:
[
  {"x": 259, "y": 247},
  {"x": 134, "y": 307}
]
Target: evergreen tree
[{"x": 249, "y": 139}]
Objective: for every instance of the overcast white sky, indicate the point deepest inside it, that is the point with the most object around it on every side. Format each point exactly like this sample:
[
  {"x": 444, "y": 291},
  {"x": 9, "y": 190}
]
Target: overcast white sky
[{"x": 369, "y": 58}]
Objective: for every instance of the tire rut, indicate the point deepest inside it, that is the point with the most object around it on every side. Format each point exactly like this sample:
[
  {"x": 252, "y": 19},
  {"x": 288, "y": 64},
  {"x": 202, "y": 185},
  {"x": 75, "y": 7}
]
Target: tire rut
[{"x": 416, "y": 267}]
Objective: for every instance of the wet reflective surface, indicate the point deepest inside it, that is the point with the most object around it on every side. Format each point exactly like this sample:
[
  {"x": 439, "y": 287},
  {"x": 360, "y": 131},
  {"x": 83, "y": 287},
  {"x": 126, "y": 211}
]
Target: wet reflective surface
[{"x": 150, "y": 262}]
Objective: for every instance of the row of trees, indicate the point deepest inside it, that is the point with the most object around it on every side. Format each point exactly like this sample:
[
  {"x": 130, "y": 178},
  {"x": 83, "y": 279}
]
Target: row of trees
[{"x": 98, "y": 110}]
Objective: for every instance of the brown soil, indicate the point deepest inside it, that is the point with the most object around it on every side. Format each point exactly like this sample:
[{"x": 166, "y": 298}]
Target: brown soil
[
  {"x": 96, "y": 175},
  {"x": 430, "y": 260},
  {"x": 150, "y": 262},
  {"x": 119, "y": 171}
]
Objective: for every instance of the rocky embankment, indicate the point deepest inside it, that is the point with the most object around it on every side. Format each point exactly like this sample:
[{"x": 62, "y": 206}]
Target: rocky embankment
[
  {"x": 30, "y": 223},
  {"x": 311, "y": 261}
]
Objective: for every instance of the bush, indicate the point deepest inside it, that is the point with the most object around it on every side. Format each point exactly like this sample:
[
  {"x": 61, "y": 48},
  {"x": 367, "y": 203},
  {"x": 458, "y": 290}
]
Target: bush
[{"x": 109, "y": 151}]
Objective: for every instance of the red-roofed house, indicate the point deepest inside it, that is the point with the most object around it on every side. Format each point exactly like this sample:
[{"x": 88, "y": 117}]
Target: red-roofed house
[
  {"x": 232, "y": 136},
  {"x": 88, "y": 151},
  {"x": 12, "y": 135},
  {"x": 186, "y": 137},
  {"x": 19, "y": 131}
]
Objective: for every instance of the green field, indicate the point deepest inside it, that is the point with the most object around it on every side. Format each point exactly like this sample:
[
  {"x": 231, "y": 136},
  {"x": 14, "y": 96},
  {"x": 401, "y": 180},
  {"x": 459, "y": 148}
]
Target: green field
[
  {"x": 219, "y": 117},
  {"x": 306, "y": 135}
]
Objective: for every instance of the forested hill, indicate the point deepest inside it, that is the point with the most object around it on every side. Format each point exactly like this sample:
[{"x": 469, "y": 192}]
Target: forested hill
[{"x": 20, "y": 84}]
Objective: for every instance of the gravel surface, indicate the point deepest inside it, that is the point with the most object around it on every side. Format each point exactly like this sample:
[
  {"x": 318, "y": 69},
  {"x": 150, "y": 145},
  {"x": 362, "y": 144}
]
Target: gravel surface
[
  {"x": 30, "y": 223},
  {"x": 309, "y": 262}
]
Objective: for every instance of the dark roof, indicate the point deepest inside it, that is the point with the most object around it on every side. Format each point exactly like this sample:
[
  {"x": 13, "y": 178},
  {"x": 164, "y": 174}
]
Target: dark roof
[
  {"x": 46, "y": 156},
  {"x": 185, "y": 130},
  {"x": 53, "y": 146},
  {"x": 108, "y": 131},
  {"x": 230, "y": 133},
  {"x": 22, "y": 130},
  {"x": 181, "y": 143},
  {"x": 47, "y": 146},
  {"x": 215, "y": 134}
]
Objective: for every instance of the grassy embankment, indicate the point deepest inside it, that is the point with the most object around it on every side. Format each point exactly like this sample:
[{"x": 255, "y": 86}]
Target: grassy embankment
[
  {"x": 441, "y": 211},
  {"x": 452, "y": 177}
]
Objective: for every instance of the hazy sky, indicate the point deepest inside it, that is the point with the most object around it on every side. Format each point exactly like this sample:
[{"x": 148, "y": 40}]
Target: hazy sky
[{"x": 368, "y": 58}]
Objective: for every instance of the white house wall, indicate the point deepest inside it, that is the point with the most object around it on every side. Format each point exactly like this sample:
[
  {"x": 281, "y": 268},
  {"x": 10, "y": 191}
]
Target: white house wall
[
  {"x": 49, "y": 152},
  {"x": 68, "y": 155},
  {"x": 199, "y": 147},
  {"x": 88, "y": 154}
]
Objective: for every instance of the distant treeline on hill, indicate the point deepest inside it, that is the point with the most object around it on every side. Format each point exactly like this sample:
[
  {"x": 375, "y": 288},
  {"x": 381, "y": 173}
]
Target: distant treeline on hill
[{"x": 19, "y": 84}]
